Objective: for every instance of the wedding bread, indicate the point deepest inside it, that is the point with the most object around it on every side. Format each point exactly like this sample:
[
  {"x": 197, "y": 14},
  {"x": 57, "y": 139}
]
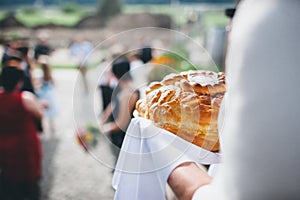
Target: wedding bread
[{"x": 186, "y": 104}]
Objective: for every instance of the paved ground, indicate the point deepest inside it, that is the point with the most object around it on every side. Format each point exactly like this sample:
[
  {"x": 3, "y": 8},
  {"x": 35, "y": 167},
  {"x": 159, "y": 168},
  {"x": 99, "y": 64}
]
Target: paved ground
[{"x": 68, "y": 171}]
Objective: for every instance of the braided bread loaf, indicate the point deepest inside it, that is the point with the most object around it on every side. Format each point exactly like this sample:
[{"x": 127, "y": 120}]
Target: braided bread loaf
[{"x": 186, "y": 104}]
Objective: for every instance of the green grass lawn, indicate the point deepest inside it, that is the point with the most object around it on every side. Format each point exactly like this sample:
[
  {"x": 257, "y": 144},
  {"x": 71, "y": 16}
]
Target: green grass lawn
[{"x": 90, "y": 66}]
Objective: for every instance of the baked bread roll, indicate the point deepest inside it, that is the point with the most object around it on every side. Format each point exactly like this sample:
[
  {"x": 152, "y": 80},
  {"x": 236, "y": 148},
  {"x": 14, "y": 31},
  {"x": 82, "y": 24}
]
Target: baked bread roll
[{"x": 186, "y": 104}]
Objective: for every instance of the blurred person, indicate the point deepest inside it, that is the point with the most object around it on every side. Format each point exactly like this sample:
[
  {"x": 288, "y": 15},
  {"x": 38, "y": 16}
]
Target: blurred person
[
  {"x": 108, "y": 82},
  {"x": 138, "y": 69},
  {"x": 135, "y": 61},
  {"x": 119, "y": 112},
  {"x": 146, "y": 53},
  {"x": 20, "y": 148},
  {"x": 19, "y": 59},
  {"x": 16, "y": 55},
  {"x": 42, "y": 47},
  {"x": 261, "y": 131},
  {"x": 26, "y": 65},
  {"x": 10, "y": 49},
  {"x": 45, "y": 92},
  {"x": 80, "y": 49},
  {"x": 13, "y": 59}
]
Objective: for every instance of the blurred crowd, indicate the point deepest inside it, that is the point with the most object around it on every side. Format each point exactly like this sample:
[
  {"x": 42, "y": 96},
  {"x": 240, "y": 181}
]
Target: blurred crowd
[
  {"x": 28, "y": 105},
  {"x": 120, "y": 89},
  {"x": 26, "y": 100}
]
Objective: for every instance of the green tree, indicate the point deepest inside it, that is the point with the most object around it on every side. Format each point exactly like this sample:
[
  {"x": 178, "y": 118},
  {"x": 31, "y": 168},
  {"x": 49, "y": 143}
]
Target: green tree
[{"x": 109, "y": 8}]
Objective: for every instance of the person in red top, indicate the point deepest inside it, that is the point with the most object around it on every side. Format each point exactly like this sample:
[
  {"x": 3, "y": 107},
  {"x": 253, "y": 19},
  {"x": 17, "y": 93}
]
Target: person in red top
[{"x": 20, "y": 148}]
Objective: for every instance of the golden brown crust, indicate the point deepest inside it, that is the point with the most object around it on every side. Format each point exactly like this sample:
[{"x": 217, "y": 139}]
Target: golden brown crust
[{"x": 186, "y": 104}]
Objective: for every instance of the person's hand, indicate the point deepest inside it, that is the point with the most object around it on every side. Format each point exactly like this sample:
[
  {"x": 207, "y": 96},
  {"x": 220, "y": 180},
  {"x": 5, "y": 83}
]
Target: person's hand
[
  {"x": 101, "y": 128},
  {"x": 186, "y": 178},
  {"x": 105, "y": 128},
  {"x": 44, "y": 104}
]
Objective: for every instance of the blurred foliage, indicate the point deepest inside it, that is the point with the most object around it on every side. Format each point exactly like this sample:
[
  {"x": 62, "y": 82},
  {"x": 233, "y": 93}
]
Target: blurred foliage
[
  {"x": 175, "y": 60},
  {"x": 49, "y": 16},
  {"x": 13, "y": 36},
  {"x": 3, "y": 14},
  {"x": 180, "y": 13},
  {"x": 215, "y": 18},
  {"x": 173, "y": 11},
  {"x": 93, "y": 2},
  {"x": 70, "y": 8},
  {"x": 159, "y": 71},
  {"x": 28, "y": 10},
  {"x": 169, "y": 62},
  {"x": 180, "y": 62},
  {"x": 109, "y": 8},
  {"x": 178, "y": 57},
  {"x": 158, "y": 9},
  {"x": 69, "y": 14}
]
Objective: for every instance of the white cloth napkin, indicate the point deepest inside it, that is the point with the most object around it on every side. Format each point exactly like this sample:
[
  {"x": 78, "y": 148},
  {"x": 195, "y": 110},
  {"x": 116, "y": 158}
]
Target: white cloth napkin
[{"x": 148, "y": 156}]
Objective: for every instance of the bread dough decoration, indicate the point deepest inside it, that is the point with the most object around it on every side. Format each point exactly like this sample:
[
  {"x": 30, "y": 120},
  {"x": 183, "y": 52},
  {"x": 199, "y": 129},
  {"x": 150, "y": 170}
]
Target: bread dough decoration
[{"x": 186, "y": 104}]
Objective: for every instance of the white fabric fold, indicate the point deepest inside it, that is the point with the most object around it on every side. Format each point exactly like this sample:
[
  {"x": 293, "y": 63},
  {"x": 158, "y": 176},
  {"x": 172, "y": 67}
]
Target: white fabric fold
[{"x": 148, "y": 156}]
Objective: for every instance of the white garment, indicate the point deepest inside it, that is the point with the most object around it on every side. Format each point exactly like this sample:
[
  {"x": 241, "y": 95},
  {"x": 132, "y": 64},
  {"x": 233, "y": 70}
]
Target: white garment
[
  {"x": 139, "y": 73},
  {"x": 106, "y": 77},
  {"x": 136, "y": 64},
  {"x": 148, "y": 156},
  {"x": 261, "y": 150}
]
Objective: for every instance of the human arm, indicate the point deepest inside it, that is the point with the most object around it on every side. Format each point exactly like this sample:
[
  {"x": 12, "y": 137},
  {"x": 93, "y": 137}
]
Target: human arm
[
  {"x": 32, "y": 105},
  {"x": 107, "y": 112},
  {"x": 126, "y": 106},
  {"x": 186, "y": 178}
]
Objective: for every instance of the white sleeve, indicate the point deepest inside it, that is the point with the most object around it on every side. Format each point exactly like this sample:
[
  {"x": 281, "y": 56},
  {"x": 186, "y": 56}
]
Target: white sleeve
[
  {"x": 261, "y": 128},
  {"x": 206, "y": 192}
]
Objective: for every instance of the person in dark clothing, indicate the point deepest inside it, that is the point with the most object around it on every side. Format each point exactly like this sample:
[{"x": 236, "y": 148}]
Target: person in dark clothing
[
  {"x": 19, "y": 59},
  {"x": 118, "y": 114},
  {"x": 26, "y": 66},
  {"x": 106, "y": 93},
  {"x": 42, "y": 47}
]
